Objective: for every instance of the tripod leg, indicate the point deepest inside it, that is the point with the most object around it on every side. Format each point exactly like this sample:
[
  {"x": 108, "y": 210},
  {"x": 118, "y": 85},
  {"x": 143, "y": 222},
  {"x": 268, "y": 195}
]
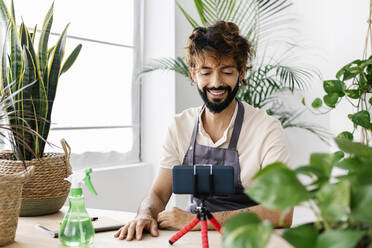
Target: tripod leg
[
  {"x": 184, "y": 230},
  {"x": 214, "y": 222},
  {"x": 204, "y": 232}
]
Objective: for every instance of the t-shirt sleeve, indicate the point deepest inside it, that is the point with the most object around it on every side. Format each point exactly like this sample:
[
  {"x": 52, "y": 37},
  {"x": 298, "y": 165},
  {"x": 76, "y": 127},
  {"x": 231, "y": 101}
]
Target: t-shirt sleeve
[
  {"x": 170, "y": 152},
  {"x": 274, "y": 147}
]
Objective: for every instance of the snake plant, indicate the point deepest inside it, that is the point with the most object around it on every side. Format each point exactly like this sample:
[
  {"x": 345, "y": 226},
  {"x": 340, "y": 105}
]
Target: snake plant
[{"x": 36, "y": 71}]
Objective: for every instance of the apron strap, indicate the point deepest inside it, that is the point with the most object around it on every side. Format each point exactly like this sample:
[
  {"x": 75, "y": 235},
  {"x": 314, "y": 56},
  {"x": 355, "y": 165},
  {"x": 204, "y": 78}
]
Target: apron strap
[
  {"x": 237, "y": 126},
  {"x": 193, "y": 138}
]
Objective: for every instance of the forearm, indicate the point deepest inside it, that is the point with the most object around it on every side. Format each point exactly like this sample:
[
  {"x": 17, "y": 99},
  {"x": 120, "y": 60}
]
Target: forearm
[
  {"x": 152, "y": 205},
  {"x": 273, "y": 215},
  {"x": 262, "y": 212}
]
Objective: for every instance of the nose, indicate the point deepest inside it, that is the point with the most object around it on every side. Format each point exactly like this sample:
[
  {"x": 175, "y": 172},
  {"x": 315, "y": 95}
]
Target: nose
[{"x": 216, "y": 80}]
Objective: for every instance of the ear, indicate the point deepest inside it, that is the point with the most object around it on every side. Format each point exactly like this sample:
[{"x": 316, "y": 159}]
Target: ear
[
  {"x": 242, "y": 73},
  {"x": 192, "y": 73}
]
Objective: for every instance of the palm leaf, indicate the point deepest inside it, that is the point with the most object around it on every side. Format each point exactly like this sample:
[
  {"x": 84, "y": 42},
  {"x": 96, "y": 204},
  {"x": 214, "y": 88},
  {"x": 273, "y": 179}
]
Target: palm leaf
[
  {"x": 289, "y": 119},
  {"x": 201, "y": 11},
  {"x": 167, "y": 64},
  {"x": 192, "y": 22}
]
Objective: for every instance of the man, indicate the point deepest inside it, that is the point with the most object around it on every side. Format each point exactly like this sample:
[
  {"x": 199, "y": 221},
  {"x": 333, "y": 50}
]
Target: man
[{"x": 223, "y": 131}]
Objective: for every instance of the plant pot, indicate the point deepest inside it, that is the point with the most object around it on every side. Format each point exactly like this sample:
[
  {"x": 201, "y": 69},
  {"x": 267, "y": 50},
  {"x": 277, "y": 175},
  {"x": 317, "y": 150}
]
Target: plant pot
[
  {"x": 46, "y": 191},
  {"x": 10, "y": 202}
]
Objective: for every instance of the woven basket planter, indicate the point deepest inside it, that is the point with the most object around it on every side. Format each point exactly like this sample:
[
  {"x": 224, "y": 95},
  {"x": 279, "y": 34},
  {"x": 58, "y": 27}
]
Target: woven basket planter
[
  {"x": 10, "y": 203},
  {"x": 46, "y": 191}
]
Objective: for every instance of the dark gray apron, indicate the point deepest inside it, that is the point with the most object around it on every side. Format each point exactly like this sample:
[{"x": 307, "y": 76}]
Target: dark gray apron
[{"x": 199, "y": 154}]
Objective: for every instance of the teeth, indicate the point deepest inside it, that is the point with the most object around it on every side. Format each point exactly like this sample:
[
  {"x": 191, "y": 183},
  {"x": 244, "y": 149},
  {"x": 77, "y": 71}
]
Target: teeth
[{"x": 217, "y": 93}]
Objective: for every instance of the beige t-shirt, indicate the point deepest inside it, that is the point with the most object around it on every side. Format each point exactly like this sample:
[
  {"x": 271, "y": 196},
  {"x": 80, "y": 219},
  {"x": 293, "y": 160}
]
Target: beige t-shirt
[{"x": 261, "y": 141}]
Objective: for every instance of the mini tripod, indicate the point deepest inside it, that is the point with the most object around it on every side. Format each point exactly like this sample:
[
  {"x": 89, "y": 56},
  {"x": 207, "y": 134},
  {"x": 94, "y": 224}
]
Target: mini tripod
[{"x": 202, "y": 215}]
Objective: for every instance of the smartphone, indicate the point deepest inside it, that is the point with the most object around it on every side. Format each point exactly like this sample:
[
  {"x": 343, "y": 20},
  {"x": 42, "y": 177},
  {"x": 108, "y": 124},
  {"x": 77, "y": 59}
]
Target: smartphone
[{"x": 203, "y": 179}]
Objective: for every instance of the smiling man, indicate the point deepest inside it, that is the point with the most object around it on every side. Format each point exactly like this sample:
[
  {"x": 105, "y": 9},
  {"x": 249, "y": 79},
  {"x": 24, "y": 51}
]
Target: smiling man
[{"x": 247, "y": 138}]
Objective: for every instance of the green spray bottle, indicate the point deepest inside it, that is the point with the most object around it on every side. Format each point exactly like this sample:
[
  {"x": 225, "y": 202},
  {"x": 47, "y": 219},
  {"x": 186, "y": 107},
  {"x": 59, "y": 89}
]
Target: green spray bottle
[{"x": 77, "y": 228}]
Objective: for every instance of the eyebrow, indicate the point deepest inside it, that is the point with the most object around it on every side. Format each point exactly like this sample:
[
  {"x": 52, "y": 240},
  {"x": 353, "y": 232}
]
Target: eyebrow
[{"x": 224, "y": 67}]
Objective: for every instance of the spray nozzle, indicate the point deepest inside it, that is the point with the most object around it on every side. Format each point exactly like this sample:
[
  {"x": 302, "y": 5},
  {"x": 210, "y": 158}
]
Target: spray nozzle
[
  {"x": 87, "y": 181},
  {"x": 79, "y": 177}
]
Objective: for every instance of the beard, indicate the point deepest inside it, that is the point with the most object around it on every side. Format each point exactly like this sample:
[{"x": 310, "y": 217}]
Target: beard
[{"x": 217, "y": 106}]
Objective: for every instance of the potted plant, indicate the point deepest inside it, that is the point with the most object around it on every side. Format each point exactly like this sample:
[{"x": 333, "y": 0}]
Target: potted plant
[
  {"x": 341, "y": 203},
  {"x": 47, "y": 190},
  {"x": 353, "y": 83}
]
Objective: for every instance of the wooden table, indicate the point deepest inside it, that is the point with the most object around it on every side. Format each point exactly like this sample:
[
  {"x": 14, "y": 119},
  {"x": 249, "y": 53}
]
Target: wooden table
[{"x": 28, "y": 236}]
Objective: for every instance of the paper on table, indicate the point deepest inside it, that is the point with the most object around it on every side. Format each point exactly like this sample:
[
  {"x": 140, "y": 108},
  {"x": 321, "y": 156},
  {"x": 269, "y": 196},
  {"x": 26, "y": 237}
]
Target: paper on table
[{"x": 102, "y": 224}]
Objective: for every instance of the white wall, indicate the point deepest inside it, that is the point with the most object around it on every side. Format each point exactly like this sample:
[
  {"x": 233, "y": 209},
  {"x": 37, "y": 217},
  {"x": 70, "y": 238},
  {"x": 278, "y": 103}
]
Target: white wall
[
  {"x": 158, "y": 98},
  {"x": 120, "y": 187}
]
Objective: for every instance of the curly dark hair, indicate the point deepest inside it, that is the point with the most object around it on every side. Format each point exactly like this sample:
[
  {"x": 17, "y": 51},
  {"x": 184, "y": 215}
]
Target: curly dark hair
[{"x": 221, "y": 39}]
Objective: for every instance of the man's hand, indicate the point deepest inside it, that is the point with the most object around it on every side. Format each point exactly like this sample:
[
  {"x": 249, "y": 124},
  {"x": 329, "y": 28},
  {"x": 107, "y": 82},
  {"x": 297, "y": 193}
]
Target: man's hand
[
  {"x": 136, "y": 227},
  {"x": 174, "y": 218}
]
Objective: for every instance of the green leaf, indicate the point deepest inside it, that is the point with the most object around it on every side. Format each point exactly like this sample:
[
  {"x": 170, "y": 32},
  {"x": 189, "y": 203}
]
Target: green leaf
[
  {"x": 16, "y": 59},
  {"x": 334, "y": 200},
  {"x": 28, "y": 112},
  {"x": 246, "y": 231},
  {"x": 331, "y": 99},
  {"x": 43, "y": 41},
  {"x": 370, "y": 100},
  {"x": 346, "y": 135},
  {"x": 334, "y": 86},
  {"x": 23, "y": 35},
  {"x": 362, "y": 118},
  {"x": 351, "y": 163},
  {"x": 309, "y": 171},
  {"x": 349, "y": 71},
  {"x": 362, "y": 175},
  {"x": 339, "y": 239},
  {"x": 357, "y": 149},
  {"x": 361, "y": 203},
  {"x": 303, "y": 101},
  {"x": 193, "y": 23},
  {"x": 200, "y": 9},
  {"x": 337, "y": 156},
  {"x": 303, "y": 236},
  {"x": 33, "y": 35},
  {"x": 4, "y": 11},
  {"x": 4, "y": 73},
  {"x": 71, "y": 59},
  {"x": 12, "y": 11},
  {"x": 354, "y": 94},
  {"x": 323, "y": 162},
  {"x": 317, "y": 103},
  {"x": 167, "y": 64},
  {"x": 277, "y": 187},
  {"x": 53, "y": 77}
]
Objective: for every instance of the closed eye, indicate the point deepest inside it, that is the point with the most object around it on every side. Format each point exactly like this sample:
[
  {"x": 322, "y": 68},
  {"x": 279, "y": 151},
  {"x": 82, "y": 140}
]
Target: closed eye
[{"x": 205, "y": 73}]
